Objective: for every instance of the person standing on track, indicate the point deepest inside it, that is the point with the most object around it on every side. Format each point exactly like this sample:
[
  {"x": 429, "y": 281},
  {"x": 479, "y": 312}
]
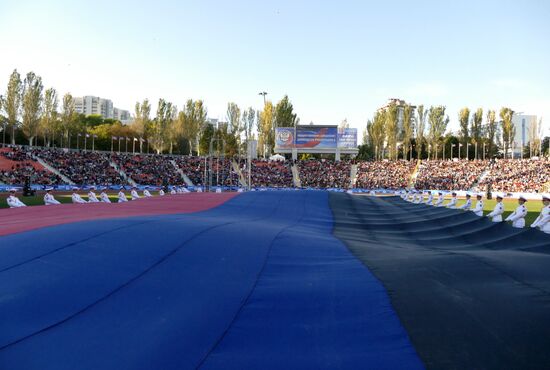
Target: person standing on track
[
  {"x": 49, "y": 198},
  {"x": 121, "y": 196},
  {"x": 104, "y": 197},
  {"x": 76, "y": 198},
  {"x": 13, "y": 201},
  {"x": 92, "y": 198},
  {"x": 543, "y": 221},
  {"x": 452, "y": 203},
  {"x": 440, "y": 199},
  {"x": 496, "y": 215},
  {"x": 134, "y": 194},
  {"x": 478, "y": 210},
  {"x": 466, "y": 206},
  {"x": 518, "y": 216},
  {"x": 146, "y": 192}
]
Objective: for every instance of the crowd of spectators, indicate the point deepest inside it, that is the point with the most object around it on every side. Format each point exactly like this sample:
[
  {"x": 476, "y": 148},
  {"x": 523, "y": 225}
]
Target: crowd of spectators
[
  {"x": 149, "y": 169},
  {"x": 24, "y": 167},
  {"x": 82, "y": 167},
  {"x": 94, "y": 168},
  {"x": 264, "y": 173},
  {"x": 325, "y": 173},
  {"x": 449, "y": 175},
  {"x": 384, "y": 174},
  {"x": 517, "y": 175}
]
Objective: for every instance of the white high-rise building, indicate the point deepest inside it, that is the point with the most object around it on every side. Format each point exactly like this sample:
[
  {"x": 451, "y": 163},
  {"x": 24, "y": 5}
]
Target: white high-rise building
[
  {"x": 522, "y": 124},
  {"x": 89, "y": 105},
  {"x": 121, "y": 115}
]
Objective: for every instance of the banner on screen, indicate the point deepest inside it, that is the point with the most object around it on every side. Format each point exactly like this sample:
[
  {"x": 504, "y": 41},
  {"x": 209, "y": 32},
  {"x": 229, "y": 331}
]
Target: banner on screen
[
  {"x": 347, "y": 138},
  {"x": 321, "y": 137},
  {"x": 284, "y": 137}
]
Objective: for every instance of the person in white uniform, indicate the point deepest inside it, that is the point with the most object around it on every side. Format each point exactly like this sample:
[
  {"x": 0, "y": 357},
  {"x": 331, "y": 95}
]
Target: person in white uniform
[
  {"x": 430, "y": 199},
  {"x": 104, "y": 197},
  {"x": 76, "y": 198},
  {"x": 452, "y": 203},
  {"x": 146, "y": 192},
  {"x": 121, "y": 196},
  {"x": 49, "y": 198},
  {"x": 518, "y": 216},
  {"x": 134, "y": 194},
  {"x": 440, "y": 199},
  {"x": 13, "y": 201},
  {"x": 496, "y": 215},
  {"x": 466, "y": 206},
  {"x": 543, "y": 221},
  {"x": 161, "y": 192},
  {"x": 92, "y": 198},
  {"x": 478, "y": 210},
  {"x": 173, "y": 191},
  {"x": 199, "y": 189}
]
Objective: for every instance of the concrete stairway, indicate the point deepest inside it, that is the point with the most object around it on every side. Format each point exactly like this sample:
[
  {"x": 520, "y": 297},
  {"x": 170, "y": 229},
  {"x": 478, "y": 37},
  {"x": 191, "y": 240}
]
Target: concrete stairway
[
  {"x": 123, "y": 174},
  {"x": 186, "y": 179},
  {"x": 242, "y": 179},
  {"x": 51, "y": 168},
  {"x": 296, "y": 176},
  {"x": 353, "y": 176}
]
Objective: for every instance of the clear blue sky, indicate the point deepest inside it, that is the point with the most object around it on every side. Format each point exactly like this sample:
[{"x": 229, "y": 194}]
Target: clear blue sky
[{"x": 335, "y": 59}]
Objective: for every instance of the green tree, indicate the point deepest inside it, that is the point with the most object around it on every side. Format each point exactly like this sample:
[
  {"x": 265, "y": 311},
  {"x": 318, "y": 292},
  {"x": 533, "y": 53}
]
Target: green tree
[
  {"x": 32, "y": 105},
  {"x": 392, "y": 113},
  {"x": 206, "y": 137},
  {"x": 508, "y": 129},
  {"x": 234, "y": 122},
  {"x": 248, "y": 123},
  {"x": 490, "y": 132},
  {"x": 12, "y": 102},
  {"x": 68, "y": 116},
  {"x": 408, "y": 129},
  {"x": 266, "y": 124},
  {"x": 420, "y": 128},
  {"x": 464, "y": 120},
  {"x": 48, "y": 121},
  {"x": 159, "y": 139},
  {"x": 437, "y": 126},
  {"x": 174, "y": 130},
  {"x": 284, "y": 114},
  {"x": 192, "y": 119},
  {"x": 377, "y": 133},
  {"x": 476, "y": 130},
  {"x": 142, "y": 121}
]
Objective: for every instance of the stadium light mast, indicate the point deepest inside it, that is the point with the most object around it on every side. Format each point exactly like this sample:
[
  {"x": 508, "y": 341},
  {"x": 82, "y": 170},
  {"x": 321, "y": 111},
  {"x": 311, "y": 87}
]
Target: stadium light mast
[{"x": 263, "y": 93}]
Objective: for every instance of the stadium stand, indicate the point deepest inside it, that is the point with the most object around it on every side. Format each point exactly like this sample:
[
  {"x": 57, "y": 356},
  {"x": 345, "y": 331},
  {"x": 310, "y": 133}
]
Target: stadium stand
[{"x": 95, "y": 168}]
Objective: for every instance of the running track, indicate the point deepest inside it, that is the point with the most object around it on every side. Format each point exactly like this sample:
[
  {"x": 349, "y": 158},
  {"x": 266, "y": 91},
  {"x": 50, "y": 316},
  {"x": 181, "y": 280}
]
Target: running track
[{"x": 270, "y": 280}]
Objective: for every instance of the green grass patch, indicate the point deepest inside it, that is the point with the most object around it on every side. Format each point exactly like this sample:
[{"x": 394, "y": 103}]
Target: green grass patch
[
  {"x": 38, "y": 200},
  {"x": 510, "y": 205}
]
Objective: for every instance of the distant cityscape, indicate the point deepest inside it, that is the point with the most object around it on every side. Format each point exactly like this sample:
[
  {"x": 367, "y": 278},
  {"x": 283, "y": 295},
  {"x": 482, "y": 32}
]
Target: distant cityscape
[{"x": 94, "y": 105}]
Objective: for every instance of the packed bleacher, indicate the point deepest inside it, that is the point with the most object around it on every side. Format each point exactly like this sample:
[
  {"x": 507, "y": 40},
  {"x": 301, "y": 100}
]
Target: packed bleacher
[
  {"x": 192, "y": 167},
  {"x": 517, "y": 175},
  {"x": 449, "y": 175},
  {"x": 325, "y": 174},
  {"x": 85, "y": 168},
  {"x": 17, "y": 166},
  {"x": 266, "y": 173},
  {"x": 384, "y": 174},
  {"x": 95, "y": 168},
  {"x": 149, "y": 169}
]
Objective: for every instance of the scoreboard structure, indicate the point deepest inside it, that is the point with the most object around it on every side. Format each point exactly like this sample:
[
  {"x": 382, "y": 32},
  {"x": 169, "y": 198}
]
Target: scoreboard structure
[{"x": 316, "y": 139}]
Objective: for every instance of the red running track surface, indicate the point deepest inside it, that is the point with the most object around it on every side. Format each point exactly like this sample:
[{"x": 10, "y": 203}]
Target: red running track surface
[{"x": 17, "y": 220}]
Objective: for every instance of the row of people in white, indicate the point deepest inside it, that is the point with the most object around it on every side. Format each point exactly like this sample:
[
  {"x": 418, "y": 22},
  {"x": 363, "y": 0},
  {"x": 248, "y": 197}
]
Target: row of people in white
[{"x": 517, "y": 218}]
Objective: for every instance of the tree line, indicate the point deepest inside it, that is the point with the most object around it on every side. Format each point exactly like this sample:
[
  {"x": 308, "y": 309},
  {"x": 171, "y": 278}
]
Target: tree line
[
  {"x": 403, "y": 131},
  {"x": 30, "y": 114}
]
